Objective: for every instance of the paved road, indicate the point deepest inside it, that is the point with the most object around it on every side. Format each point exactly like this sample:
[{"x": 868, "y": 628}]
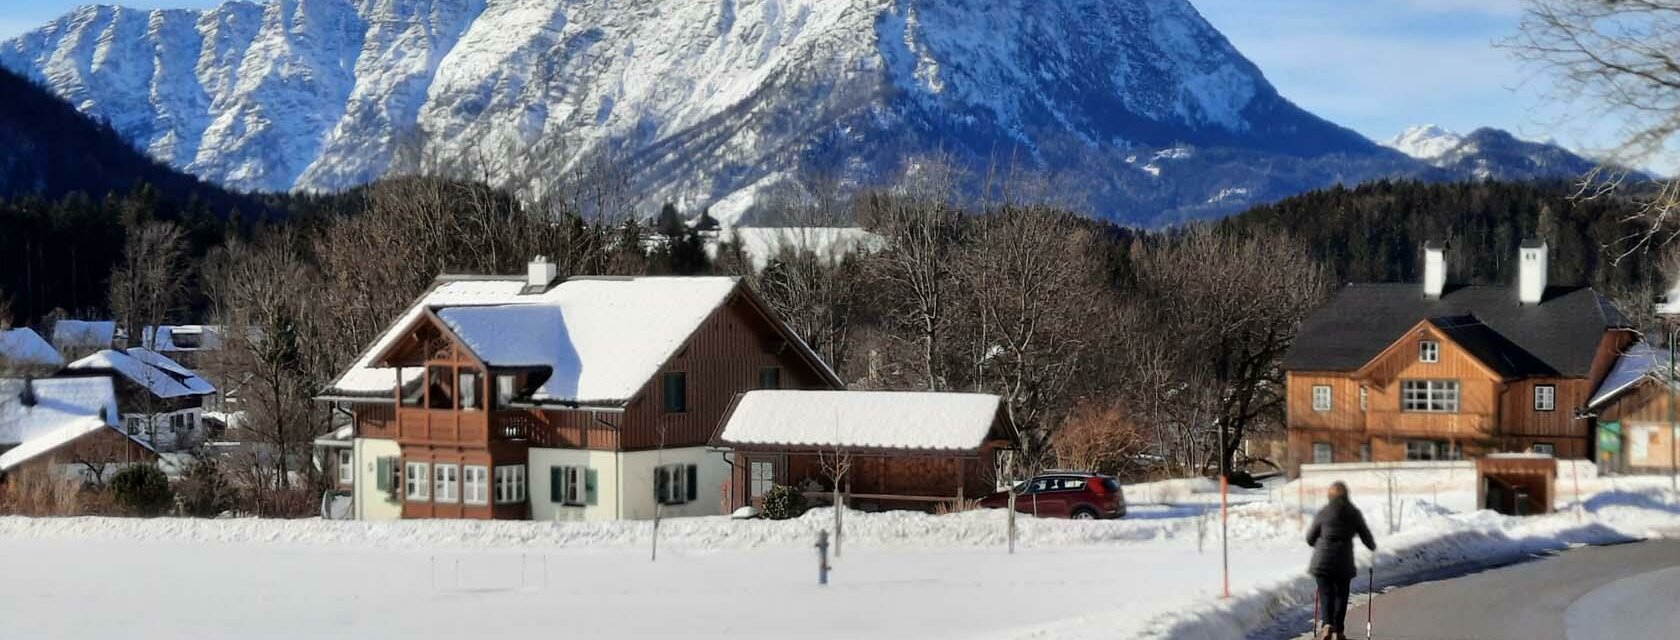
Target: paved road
[{"x": 1622, "y": 591}]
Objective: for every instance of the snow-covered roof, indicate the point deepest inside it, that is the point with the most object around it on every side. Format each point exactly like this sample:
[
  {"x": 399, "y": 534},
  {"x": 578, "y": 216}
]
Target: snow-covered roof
[
  {"x": 22, "y": 346},
  {"x": 84, "y": 333},
  {"x": 56, "y": 402},
  {"x": 603, "y": 338},
  {"x": 828, "y": 244},
  {"x": 161, "y": 376},
  {"x": 182, "y": 337},
  {"x": 908, "y": 420},
  {"x": 1639, "y": 362},
  {"x": 49, "y": 440}
]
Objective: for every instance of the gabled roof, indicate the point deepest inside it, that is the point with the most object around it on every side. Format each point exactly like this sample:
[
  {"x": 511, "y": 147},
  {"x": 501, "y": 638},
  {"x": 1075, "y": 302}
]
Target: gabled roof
[
  {"x": 866, "y": 420},
  {"x": 51, "y": 403},
  {"x": 99, "y": 334},
  {"x": 601, "y": 338},
  {"x": 22, "y": 346},
  {"x": 1641, "y": 362},
  {"x": 1563, "y": 331},
  {"x": 194, "y": 337},
  {"x": 157, "y": 374}
]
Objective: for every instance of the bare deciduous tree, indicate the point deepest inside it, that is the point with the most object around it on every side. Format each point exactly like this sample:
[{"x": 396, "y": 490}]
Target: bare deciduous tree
[
  {"x": 149, "y": 283},
  {"x": 1618, "y": 59},
  {"x": 921, "y": 224}
]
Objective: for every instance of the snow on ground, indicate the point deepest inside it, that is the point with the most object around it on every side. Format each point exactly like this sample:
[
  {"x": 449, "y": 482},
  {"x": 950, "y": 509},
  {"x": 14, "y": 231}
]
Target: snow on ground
[{"x": 1153, "y": 574}]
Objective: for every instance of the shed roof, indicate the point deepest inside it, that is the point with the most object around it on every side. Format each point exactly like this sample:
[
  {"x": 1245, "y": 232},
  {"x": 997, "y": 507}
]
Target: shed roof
[
  {"x": 889, "y": 420},
  {"x": 1639, "y": 362},
  {"x": 1563, "y": 331}
]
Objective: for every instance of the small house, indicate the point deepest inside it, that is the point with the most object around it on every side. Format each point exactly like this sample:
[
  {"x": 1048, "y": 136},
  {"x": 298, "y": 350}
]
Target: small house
[
  {"x": 161, "y": 401},
  {"x": 887, "y": 449}
]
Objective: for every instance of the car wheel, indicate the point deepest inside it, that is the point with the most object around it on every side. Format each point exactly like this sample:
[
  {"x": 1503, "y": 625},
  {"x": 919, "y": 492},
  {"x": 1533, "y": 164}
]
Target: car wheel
[{"x": 1084, "y": 513}]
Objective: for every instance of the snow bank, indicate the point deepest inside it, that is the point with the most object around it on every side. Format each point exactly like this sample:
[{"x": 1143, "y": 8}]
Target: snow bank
[{"x": 1436, "y": 543}]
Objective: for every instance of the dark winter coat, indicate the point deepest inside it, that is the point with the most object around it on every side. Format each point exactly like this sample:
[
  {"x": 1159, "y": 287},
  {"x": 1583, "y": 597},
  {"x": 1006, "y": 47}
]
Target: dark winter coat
[{"x": 1331, "y": 537}]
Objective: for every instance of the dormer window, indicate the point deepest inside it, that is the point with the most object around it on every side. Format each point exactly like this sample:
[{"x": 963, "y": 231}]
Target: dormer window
[{"x": 1429, "y": 351}]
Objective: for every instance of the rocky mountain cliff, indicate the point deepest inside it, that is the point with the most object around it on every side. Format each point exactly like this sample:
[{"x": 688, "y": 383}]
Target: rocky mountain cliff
[{"x": 1140, "y": 106}]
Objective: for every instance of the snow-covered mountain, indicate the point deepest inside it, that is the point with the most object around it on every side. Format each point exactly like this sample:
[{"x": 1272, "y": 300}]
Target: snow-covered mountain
[
  {"x": 1425, "y": 142},
  {"x": 1489, "y": 154},
  {"x": 1141, "y": 104}
]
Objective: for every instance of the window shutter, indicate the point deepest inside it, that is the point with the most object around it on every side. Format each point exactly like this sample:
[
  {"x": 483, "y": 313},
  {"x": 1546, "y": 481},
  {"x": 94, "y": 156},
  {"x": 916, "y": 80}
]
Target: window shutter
[
  {"x": 384, "y": 482},
  {"x": 556, "y": 484},
  {"x": 693, "y": 482},
  {"x": 589, "y": 486}
]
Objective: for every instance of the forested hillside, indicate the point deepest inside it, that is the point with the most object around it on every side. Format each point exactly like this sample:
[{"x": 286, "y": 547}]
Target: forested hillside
[{"x": 1372, "y": 233}]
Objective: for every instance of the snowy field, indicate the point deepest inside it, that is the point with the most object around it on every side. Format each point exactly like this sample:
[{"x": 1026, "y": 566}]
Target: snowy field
[{"x": 902, "y": 575}]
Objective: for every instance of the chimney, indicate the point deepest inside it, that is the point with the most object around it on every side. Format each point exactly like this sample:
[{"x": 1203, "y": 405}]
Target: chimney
[
  {"x": 540, "y": 273},
  {"x": 1531, "y": 271},
  {"x": 1434, "y": 269}
]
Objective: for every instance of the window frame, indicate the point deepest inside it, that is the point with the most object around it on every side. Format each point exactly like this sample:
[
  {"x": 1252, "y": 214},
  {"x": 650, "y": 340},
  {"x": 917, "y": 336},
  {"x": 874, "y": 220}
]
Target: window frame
[
  {"x": 673, "y": 402},
  {"x": 573, "y": 490},
  {"x": 1364, "y": 399},
  {"x": 346, "y": 466},
  {"x": 755, "y": 478},
  {"x": 1429, "y": 351},
  {"x": 452, "y": 484},
  {"x": 1328, "y": 398},
  {"x": 511, "y": 488},
  {"x": 471, "y": 485},
  {"x": 417, "y": 481},
  {"x": 1550, "y": 396},
  {"x": 770, "y": 377},
  {"x": 1330, "y": 453},
  {"x": 468, "y": 385},
  {"x": 1551, "y": 448},
  {"x": 673, "y": 484},
  {"x": 1434, "y": 396}
]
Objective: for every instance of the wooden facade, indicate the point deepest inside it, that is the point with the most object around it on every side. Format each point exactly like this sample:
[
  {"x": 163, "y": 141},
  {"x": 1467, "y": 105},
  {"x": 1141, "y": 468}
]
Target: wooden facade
[
  {"x": 1367, "y": 419},
  {"x": 734, "y": 350},
  {"x": 1637, "y": 424},
  {"x": 101, "y": 446}
]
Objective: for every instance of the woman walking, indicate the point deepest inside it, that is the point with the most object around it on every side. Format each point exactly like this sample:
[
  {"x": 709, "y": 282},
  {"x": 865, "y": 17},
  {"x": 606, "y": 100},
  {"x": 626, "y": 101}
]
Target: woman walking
[{"x": 1331, "y": 537}]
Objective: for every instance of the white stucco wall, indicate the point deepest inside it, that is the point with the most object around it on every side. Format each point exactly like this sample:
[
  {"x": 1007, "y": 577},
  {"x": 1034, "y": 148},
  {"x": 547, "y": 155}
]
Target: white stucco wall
[
  {"x": 371, "y": 502},
  {"x": 636, "y": 485},
  {"x": 603, "y": 463}
]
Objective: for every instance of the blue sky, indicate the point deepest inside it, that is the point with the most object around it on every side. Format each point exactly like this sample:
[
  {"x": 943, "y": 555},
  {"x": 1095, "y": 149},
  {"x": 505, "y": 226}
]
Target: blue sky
[{"x": 1376, "y": 66}]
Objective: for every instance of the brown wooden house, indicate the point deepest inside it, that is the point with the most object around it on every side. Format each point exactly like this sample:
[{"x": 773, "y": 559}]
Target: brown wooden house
[
  {"x": 588, "y": 399},
  {"x": 1634, "y": 421},
  {"x": 1387, "y": 372},
  {"x": 65, "y": 427},
  {"x": 886, "y": 449}
]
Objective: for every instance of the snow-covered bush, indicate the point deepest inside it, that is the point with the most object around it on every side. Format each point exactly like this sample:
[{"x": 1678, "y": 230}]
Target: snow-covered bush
[
  {"x": 142, "y": 490},
  {"x": 782, "y": 503}
]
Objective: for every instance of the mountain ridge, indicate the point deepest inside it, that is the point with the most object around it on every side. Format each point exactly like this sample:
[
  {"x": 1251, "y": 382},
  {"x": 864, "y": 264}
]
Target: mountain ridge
[{"x": 705, "y": 103}]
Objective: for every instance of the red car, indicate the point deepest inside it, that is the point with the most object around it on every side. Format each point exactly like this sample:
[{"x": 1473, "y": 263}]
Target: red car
[{"x": 1065, "y": 494}]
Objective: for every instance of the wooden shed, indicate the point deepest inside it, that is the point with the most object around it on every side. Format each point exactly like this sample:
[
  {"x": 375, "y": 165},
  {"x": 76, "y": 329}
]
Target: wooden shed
[
  {"x": 886, "y": 449},
  {"x": 1517, "y": 484}
]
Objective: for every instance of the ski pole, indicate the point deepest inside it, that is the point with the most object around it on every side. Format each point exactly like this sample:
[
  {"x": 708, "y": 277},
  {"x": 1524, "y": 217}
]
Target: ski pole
[{"x": 1371, "y": 600}]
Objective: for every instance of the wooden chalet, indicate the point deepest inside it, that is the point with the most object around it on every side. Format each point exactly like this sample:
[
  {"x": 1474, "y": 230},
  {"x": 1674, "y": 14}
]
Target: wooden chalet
[
  {"x": 1388, "y": 372},
  {"x": 588, "y": 399},
  {"x": 886, "y": 449},
  {"x": 161, "y": 401}
]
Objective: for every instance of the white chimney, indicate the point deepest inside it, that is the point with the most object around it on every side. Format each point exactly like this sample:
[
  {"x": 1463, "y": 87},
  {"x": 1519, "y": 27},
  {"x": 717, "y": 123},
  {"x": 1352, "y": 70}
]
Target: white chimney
[
  {"x": 1531, "y": 271},
  {"x": 1434, "y": 269},
  {"x": 541, "y": 272}
]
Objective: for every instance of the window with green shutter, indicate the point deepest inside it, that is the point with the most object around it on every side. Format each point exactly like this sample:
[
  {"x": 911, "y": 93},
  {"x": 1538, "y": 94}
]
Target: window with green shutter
[{"x": 384, "y": 480}]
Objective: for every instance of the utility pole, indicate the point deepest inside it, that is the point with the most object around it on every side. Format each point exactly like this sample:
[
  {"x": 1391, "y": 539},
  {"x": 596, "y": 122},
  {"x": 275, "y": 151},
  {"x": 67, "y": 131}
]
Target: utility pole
[
  {"x": 1673, "y": 447},
  {"x": 1224, "y": 518}
]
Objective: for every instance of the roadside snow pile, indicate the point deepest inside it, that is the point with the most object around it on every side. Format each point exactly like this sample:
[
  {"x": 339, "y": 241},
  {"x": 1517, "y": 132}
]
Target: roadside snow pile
[{"x": 1435, "y": 543}]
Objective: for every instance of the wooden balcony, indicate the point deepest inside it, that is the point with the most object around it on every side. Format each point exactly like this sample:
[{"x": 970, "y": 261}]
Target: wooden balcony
[{"x": 444, "y": 426}]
